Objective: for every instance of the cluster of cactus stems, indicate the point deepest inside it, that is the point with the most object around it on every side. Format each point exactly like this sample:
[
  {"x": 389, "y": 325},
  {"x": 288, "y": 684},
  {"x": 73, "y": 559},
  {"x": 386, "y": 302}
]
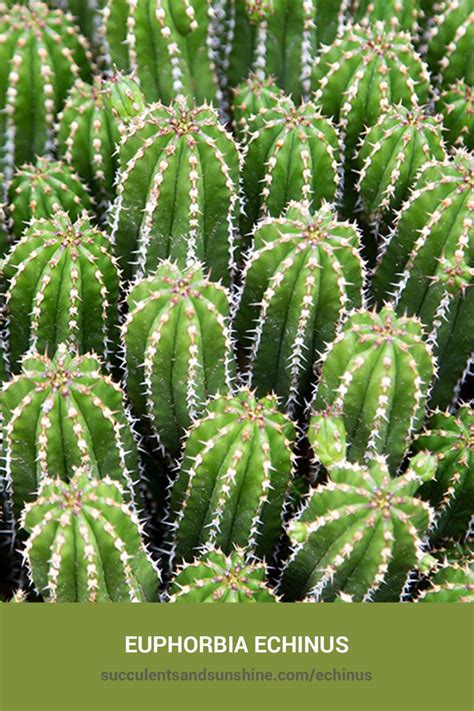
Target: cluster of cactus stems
[{"x": 236, "y": 300}]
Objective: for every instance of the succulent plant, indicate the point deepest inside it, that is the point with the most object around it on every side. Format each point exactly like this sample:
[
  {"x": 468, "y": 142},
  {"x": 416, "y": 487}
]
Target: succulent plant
[
  {"x": 451, "y": 41},
  {"x": 360, "y": 534},
  {"x": 450, "y": 438},
  {"x": 85, "y": 543},
  {"x": 376, "y": 375},
  {"x": 170, "y": 44},
  {"x": 427, "y": 265},
  {"x": 398, "y": 14},
  {"x": 233, "y": 478},
  {"x": 452, "y": 582},
  {"x": 292, "y": 154},
  {"x": 63, "y": 285},
  {"x": 60, "y": 414},
  {"x": 123, "y": 99},
  {"x": 41, "y": 191},
  {"x": 87, "y": 14},
  {"x": 178, "y": 348},
  {"x": 41, "y": 55},
  {"x": 178, "y": 195},
  {"x": 456, "y": 104},
  {"x": 251, "y": 98},
  {"x": 362, "y": 73},
  {"x": 390, "y": 156},
  {"x": 216, "y": 577},
  {"x": 302, "y": 275}
]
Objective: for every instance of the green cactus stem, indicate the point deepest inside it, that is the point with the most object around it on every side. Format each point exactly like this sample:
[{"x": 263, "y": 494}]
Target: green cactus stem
[
  {"x": 41, "y": 191},
  {"x": 123, "y": 99},
  {"x": 60, "y": 414},
  {"x": 216, "y": 577},
  {"x": 376, "y": 374},
  {"x": 88, "y": 15},
  {"x": 170, "y": 44},
  {"x": 292, "y": 154},
  {"x": 360, "y": 534},
  {"x": 178, "y": 348},
  {"x": 63, "y": 285},
  {"x": 451, "y": 42},
  {"x": 41, "y": 54},
  {"x": 251, "y": 98},
  {"x": 302, "y": 276},
  {"x": 178, "y": 194},
  {"x": 426, "y": 266},
  {"x": 456, "y": 104},
  {"x": 233, "y": 478},
  {"x": 397, "y": 14},
  {"x": 390, "y": 156},
  {"x": 85, "y": 543},
  {"x": 450, "y": 438},
  {"x": 452, "y": 582},
  {"x": 362, "y": 73}
]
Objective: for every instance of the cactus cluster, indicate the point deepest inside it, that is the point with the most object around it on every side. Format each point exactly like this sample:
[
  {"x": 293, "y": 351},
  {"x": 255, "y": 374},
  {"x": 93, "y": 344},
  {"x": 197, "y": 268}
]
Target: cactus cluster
[{"x": 236, "y": 300}]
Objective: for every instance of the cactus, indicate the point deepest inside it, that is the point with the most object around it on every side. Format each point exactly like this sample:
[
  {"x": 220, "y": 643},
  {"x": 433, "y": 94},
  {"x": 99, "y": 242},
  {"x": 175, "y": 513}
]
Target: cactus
[
  {"x": 398, "y": 14},
  {"x": 390, "y": 156},
  {"x": 216, "y": 577},
  {"x": 360, "y": 534},
  {"x": 63, "y": 285},
  {"x": 60, "y": 414},
  {"x": 451, "y": 42},
  {"x": 427, "y": 266},
  {"x": 452, "y": 582},
  {"x": 376, "y": 374},
  {"x": 87, "y": 14},
  {"x": 450, "y": 438},
  {"x": 302, "y": 275},
  {"x": 456, "y": 104},
  {"x": 178, "y": 195},
  {"x": 41, "y": 55},
  {"x": 292, "y": 154},
  {"x": 123, "y": 99},
  {"x": 178, "y": 348},
  {"x": 170, "y": 44},
  {"x": 85, "y": 543},
  {"x": 233, "y": 478},
  {"x": 41, "y": 191},
  {"x": 251, "y": 98},
  {"x": 362, "y": 73}
]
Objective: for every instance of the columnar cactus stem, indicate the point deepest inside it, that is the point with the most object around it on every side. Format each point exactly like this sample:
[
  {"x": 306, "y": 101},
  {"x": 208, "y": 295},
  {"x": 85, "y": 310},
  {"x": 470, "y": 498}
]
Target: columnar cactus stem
[
  {"x": 362, "y": 73},
  {"x": 398, "y": 14},
  {"x": 450, "y": 438},
  {"x": 452, "y": 582},
  {"x": 390, "y": 156},
  {"x": 292, "y": 154},
  {"x": 85, "y": 543},
  {"x": 178, "y": 195},
  {"x": 88, "y": 16},
  {"x": 63, "y": 285},
  {"x": 360, "y": 534},
  {"x": 216, "y": 577},
  {"x": 302, "y": 275},
  {"x": 376, "y": 374},
  {"x": 251, "y": 98},
  {"x": 41, "y": 55},
  {"x": 178, "y": 348},
  {"x": 233, "y": 478},
  {"x": 170, "y": 44},
  {"x": 122, "y": 98},
  {"x": 451, "y": 42},
  {"x": 41, "y": 191},
  {"x": 427, "y": 265},
  {"x": 60, "y": 414},
  {"x": 456, "y": 104}
]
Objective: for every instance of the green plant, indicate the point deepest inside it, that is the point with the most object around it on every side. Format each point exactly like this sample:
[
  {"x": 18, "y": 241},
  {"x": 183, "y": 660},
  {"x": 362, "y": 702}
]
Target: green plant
[
  {"x": 451, "y": 41},
  {"x": 251, "y": 98},
  {"x": 456, "y": 104},
  {"x": 216, "y": 577},
  {"x": 85, "y": 543},
  {"x": 452, "y": 582},
  {"x": 233, "y": 478},
  {"x": 398, "y": 14}
]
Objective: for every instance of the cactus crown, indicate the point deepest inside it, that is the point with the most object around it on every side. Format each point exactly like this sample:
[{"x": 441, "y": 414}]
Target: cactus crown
[
  {"x": 398, "y": 14},
  {"x": 216, "y": 577},
  {"x": 85, "y": 543}
]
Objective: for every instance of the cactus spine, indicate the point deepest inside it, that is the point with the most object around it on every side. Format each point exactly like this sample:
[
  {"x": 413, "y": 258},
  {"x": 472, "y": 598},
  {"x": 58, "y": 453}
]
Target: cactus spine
[
  {"x": 61, "y": 414},
  {"x": 85, "y": 543},
  {"x": 427, "y": 266},
  {"x": 41, "y": 55},
  {"x": 292, "y": 154},
  {"x": 63, "y": 286},
  {"x": 398, "y": 14},
  {"x": 360, "y": 534},
  {"x": 233, "y": 478},
  {"x": 178, "y": 195},
  {"x": 451, "y": 42},
  {"x": 216, "y": 577},
  {"x": 303, "y": 274},
  {"x": 178, "y": 348},
  {"x": 456, "y": 104},
  {"x": 376, "y": 375}
]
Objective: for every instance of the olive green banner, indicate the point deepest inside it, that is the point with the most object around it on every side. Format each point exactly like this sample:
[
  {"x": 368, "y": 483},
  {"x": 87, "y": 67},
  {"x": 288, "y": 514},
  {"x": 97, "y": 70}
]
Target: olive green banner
[{"x": 292, "y": 657}]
